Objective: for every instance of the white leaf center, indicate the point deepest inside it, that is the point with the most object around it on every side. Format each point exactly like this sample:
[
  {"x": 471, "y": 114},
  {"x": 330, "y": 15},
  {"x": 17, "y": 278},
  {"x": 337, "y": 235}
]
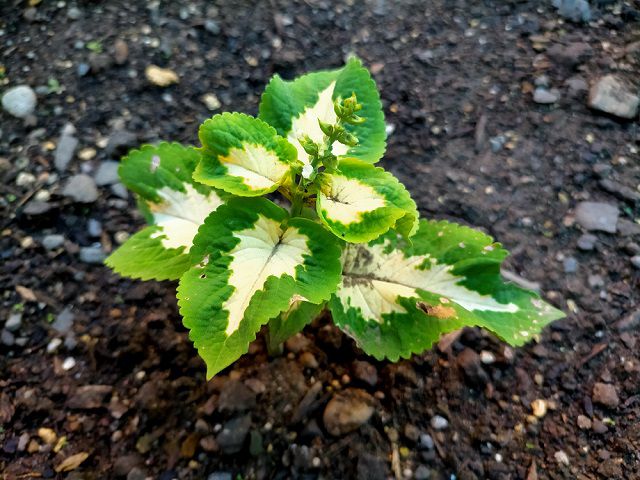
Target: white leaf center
[
  {"x": 307, "y": 124},
  {"x": 258, "y": 167},
  {"x": 374, "y": 280},
  {"x": 264, "y": 250},
  {"x": 181, "y": 214},
  {"x": 346, "y": 200}
]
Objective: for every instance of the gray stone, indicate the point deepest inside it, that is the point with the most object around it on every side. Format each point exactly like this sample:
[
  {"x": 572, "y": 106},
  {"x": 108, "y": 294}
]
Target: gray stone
[
  {"x": 438, "y": 422},
  {"x": 64, "y": 321},
  {"x": 497, "y": 143},
  {"x": 542, "y": 81},
  {"x": 426, "y": 442},
  {"x": 83, "y": 69},
  {"x": 574, "y": 10},
  {"x": 232, "y": 436},
  {"x": 422, "y": 473},
  {"x": 544, "y": 96},
  {"x": 570, "y": 265},
  {"x": 67, "y": 144},
  {"x": 587, "y": 242},
  {"x": 576, "y": 85},
  {"x": 220, "y": 476},
  {"x": 119, "y": 142},
  {"x": 14, "y": 322},
  {"x": 74, "y": 13},
  {"x": 19, "y": 101},
  {"x": 7, "y": 338},
  {"x": 212, "y": 26},
  {"x": 635, "y": 261},
  {"x": 36, "y": 207},
  {"x": 93, "y": 255},
  {"x": 611, "y": 95},
  {"x": 51, "y": 242},
  {"x": 119, "y": 190},
  {"x": 136, "y": 474},
  {"x": 107, "y": 173},
  {"x": 595, "y": 281},
  {"x": 621, "y": 191},
  {"x": 81, "y": 188},
  {"x": 94, "y": 227},
  {"x": 597, "y": 216}
]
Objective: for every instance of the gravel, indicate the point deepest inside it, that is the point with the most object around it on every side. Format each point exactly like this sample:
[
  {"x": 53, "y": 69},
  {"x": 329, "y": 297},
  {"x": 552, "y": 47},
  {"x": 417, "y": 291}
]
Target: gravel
[
  {"x": 92, "y": 255},
  {"x": 597, "y": 216},
  {"x": 81, "y": 188},
  {"x": 51, "y": 242},
  {"x": 67, "y": 144},
  {"x": 19, "y": 101},
  {"x": 14, "y": 322}
]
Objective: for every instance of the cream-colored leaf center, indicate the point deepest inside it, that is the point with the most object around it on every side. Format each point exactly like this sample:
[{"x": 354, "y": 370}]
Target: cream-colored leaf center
[
  {"x": 264, "y": 250},
  {"x": 258, "y": 167},
  {"x": 374, "y": 280},
  {"x": 180, "y": 214},
  {"x": 346, "y": 200},
  {"x": 307, "y": 124}
]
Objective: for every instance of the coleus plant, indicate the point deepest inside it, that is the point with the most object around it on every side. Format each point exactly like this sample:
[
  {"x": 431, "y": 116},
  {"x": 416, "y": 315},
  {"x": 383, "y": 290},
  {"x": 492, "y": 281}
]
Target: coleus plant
[{"x": 350, "y": 240}]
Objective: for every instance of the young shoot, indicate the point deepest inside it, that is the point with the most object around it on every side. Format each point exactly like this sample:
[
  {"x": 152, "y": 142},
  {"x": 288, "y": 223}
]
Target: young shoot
[{"x": 350, "y": 241}]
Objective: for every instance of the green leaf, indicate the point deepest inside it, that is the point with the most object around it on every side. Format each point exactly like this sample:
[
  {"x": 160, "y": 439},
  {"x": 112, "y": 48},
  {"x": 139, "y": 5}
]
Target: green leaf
[
  {"x": 161, "y": 176},
  {"x": 396, "y": 299},
  {"x": 243, "y": 155},
  {"x": 294, "y": 108},
  {"x": 144, "y": 256},
  {"x": 292, "y": 321},
  {"x": 360, "y": 202},
  {"x": 252, "y": 268}
]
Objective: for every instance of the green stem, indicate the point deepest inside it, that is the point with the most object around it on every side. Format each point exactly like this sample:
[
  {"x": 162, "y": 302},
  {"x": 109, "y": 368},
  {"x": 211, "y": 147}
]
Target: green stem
[{"x": 273, "y": 349}]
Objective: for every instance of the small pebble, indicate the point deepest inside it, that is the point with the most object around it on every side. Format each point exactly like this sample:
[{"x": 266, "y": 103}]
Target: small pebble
[
  {"x": 19, "y": 101},
  {"x": 53, "y": 345},
  {"x": 51, "y": 242},
  {"x": 587, "y": 242},
  {"x": 539, "y": 407},
  {"x": 570, "y": 265},
  {"x": 14, "y": 322},
  {"x": 487, "y": 357},
  {"x": 439, "y": 423},
  {"x": 544, "y": 96},
  {"x": 68, "y": 363},
  {"x": 561, "y": 457},
  {"x": 584, "y": 422},
  {"x": 93, "y": 255}
]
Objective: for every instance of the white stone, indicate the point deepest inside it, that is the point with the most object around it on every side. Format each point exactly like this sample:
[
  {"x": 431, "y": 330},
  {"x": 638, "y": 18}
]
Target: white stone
[
  {"x": 19, "y": 101},
  {"x": 609, "y": 94}
]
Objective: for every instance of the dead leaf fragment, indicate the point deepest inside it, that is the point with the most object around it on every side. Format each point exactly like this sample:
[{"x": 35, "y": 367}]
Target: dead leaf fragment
[
  {"x": 162, "y": 77},
  {"x": 441, "y": 312},
  {"x": 26, "y": 294},
  {"x": 72, "y": 462}
]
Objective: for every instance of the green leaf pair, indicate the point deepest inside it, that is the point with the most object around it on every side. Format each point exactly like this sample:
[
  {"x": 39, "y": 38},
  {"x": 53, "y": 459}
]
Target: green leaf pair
[{"x": 351, "y": 241}]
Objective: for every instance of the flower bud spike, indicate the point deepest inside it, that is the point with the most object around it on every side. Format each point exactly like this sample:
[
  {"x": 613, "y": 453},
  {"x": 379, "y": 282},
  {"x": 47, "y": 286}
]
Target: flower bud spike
[{"x": 326, "y": 128}]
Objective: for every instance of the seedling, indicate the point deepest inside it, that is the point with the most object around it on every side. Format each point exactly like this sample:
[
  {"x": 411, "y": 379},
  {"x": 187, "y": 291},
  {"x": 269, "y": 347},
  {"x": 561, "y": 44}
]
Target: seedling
[{"x": 350, "y": 238}]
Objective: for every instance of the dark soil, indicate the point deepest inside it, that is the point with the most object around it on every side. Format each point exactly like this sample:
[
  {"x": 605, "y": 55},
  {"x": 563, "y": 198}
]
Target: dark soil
[{"x": 136, "y": 400}]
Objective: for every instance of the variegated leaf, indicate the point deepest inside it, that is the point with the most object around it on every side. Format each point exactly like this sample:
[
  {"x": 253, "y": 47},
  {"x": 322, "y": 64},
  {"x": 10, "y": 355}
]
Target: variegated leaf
[
  {"x": 396, "y": 299},
  {"x": 360, "y": 202},
  {"x": 255, "y": 262},
  {"x": 174, "y": 204},
  {"x": 243, "y": 155},
  {"x": 294, "y": 108}
]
